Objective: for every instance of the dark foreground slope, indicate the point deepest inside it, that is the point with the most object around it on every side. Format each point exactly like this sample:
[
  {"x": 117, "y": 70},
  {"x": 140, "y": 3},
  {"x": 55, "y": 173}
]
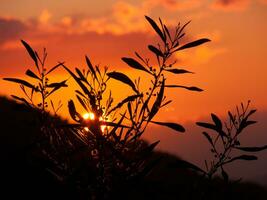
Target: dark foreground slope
[{"x": 22, "y": 177}]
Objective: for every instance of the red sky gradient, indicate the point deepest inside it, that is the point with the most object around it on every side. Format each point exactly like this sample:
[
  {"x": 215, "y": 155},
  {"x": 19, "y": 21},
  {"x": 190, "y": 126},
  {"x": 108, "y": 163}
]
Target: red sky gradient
[{"x": 231, "y": 69}]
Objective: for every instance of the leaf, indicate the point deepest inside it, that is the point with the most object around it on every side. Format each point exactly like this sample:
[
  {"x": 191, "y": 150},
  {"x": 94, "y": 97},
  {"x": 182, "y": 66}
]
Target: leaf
[
  {"x": 155, "y": 50},
  {"x": 81, "y": 102},
  {"x": 187, "y": 165},
  {"x": 20, "y": 99},
  {"x": 252, "y": 149},
  {"x": 243, "y": 157},
  {"x": 134, "y": 64},
  {"x": 207, "y": 125},
  {"x": 193, "y": 88},
  {"x": 85, "y": 90},
  {"x": 31, "y": 74},
  {"x": 211, "y": 126},
  {"x": 81, "y": 76},
  {"x": 113, "y": 124},
  {"x": 232, "y": 118},
  {"x": 31, "y": 53},
  {"x": 123, "y": 78},
  {"x": 72, "y": 110},
  {"x": 208, "y": 137},
  {"x": 193, "y": 44},
  {"x": 174, "y": 126},
  {"x": 127, "y": 99},
  {"x": 53, "y": 68},
  {"x": 130, "y": 111},
  {"x": 60, "y": 84},
  {"x": 166, "y": 103},
  {"x": 217, "y": 121},
  {"x": 157, "y": 103},
  {"x": 167, "y": 31},
  {"x": 89, "y": 64},
  {"x": 156, "y": 28},
  {"x": 181, "y": 30},
  {"x": 244, "y": 124},
  {"x": 250, "y": 113},
  {"x": 23, "y": 82},
  {"x": 178, "y": 71}
]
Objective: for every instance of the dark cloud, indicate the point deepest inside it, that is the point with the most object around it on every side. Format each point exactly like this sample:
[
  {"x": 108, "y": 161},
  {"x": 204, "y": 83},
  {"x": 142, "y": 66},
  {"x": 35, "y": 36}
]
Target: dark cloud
[{"x": 11, "y": 29}]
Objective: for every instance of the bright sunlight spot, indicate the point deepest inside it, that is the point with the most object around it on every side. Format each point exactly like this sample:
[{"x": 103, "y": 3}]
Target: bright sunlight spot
[{"x": 90, "y": 116}]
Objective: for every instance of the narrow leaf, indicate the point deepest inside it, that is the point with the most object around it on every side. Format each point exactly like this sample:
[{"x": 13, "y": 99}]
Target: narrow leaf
[
  {"x": 156, "y": 28},
  {"x": 81, "y": 102},
  {"x": 123, "y": 78},
  {"x": 155, "y": 50},
  {"x": 20, "y": 99},
  {"x": 72, "y": 110},
  {"x": 252, "y": 149},
  {"x": 60, "y": 84},
  {"x": 85, "y": 90},
  {"x": 134, "y": 64},
  {"x": 53, "y": 68},
  {"x": 217, "y": 121},
  {"x": 208, "y": 137},
  {"x": 31, "y": 74},
  {"x": 207, "y": 125},
  {"x": 174, "y": 126},
  {"x": 244, "y": 124},
  {"x": 193, "y": 88},
  {"x": 127, "y": 99},
  {"x": 178, "y": 71},
  {"x": 243, "y": 157},
  {"x": 157, "y": 103},
  {"x": 31, "y": 53},
  {"x": 89, "y": 64},
  {"x": 193, "y": 44},
  {"x": 23, "y": 82},
  {"x": 113, "y": 124},
  {"x": 81, "y": 76}
]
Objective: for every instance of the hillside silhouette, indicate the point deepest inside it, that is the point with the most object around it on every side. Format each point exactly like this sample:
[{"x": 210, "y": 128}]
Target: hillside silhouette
[{"x": 23, "y": 174}]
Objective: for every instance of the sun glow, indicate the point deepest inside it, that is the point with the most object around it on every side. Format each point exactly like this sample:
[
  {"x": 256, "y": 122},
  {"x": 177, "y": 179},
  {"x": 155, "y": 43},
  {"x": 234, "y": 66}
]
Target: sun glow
[{"x": 91, "y": 116}]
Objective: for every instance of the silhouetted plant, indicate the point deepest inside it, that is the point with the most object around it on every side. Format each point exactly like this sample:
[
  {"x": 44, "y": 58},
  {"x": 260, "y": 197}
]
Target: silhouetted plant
[
  {"x": 227, "y": 140},
  {"x": 225, "y": 143},
  {"x": 109, "y": 150}
]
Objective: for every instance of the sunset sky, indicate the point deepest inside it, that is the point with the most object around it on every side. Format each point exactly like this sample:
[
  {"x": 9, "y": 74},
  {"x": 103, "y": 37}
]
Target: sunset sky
[{"x": 231, "y": 69}]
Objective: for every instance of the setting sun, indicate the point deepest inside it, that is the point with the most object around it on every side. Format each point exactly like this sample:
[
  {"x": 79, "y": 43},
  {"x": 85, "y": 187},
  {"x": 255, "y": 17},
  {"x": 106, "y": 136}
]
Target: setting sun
[{"x": 90, "y": 116}]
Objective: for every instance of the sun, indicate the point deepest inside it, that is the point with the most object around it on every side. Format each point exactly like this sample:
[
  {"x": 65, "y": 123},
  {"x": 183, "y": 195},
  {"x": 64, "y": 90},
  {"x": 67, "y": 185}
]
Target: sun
[{"x": 91, "y": 116}]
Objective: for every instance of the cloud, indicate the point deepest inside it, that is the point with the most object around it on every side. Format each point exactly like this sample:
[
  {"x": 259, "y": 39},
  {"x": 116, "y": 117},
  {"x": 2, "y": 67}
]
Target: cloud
[
  {"x": 124, "y": 18},
  {"x": 44, "y": 17},
  {"x": 204, "y": 53},
  {"x": 11, "y": 29},
  {"x": 174, "y": 5},
  {"x": 230, "y": 5}
]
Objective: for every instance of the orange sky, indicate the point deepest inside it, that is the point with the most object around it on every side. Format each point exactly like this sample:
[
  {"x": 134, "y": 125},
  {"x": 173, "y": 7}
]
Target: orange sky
[{"x": 231, "y": 69}]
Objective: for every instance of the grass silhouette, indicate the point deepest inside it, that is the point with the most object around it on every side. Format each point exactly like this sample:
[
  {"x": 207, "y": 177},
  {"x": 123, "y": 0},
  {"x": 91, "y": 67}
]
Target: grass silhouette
[{"x": 91, "y": 161}]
